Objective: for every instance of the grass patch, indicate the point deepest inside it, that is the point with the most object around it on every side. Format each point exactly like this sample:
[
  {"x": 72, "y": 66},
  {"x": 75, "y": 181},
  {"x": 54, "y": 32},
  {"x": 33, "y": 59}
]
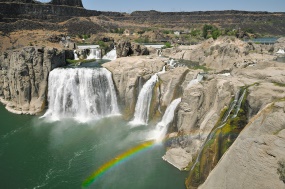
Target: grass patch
[
  {"x": 194, "y": 65},
  {"x": 279, "y": 84}
]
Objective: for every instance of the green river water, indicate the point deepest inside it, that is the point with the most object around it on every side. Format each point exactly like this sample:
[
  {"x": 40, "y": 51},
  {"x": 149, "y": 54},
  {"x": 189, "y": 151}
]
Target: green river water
[{"x": 38, "y": 154}]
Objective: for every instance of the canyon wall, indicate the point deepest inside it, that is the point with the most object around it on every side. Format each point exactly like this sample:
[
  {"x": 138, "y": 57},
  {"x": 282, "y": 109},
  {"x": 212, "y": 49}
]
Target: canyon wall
[{"x": 24, "y": 77}]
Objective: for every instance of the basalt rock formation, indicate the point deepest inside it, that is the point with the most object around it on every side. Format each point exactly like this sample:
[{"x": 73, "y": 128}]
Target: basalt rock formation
[
  {"x": 76, "y": 3},
  {"x": 24, "y": 77},
  {"x": 126, "y": 48},
  {"x": 55, "y": 11},
  {"x": 259, "y": 21}
]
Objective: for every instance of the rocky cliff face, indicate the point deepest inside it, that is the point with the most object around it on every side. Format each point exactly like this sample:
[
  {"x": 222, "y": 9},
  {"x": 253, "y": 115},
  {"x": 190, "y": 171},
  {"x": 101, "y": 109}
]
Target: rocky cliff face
[
  {"x": 131, "y": 73},
  {"x": 126, "y": 48},
  {"x": 226, "y": 19},
  {"x": 127, "y": 73},
  {"x": 235, "y": 65},
  {"x": 75, "y": 3},
  {"x": 252, "y": 161},
  {"x": 24, "y": 77}
]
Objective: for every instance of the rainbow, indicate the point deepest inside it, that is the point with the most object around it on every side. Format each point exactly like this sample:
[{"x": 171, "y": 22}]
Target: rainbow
[
  {"x": 127, "y": 155},
  {"x": 117, "y": 160}
]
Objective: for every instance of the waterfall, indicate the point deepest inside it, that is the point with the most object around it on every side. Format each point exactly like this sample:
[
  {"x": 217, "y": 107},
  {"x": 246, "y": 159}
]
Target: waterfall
[
  {"x": 239, "y": 104},
  {"x": 172, "y": 63},
  {"x": 84, "y": 94},
  {"x": 143, "y": 102},
  {"x": 112, "y": 55},
  {"x": 94, "y": 54},
  {"x": 198, "y": 79},
  {"x": 162, "y": 71},
  {"x": 75, "y": 55},
  {"x": 162, "y": 126},
  {"x": 236, "y": 103}
]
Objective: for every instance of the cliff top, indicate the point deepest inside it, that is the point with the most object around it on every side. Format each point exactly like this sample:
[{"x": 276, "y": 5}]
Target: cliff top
[{"x": 73, "y": 3}]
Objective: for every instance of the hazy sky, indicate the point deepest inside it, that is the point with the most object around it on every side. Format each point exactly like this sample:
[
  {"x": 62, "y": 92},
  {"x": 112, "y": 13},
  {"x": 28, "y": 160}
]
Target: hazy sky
[{"x": 185, "y": 5}]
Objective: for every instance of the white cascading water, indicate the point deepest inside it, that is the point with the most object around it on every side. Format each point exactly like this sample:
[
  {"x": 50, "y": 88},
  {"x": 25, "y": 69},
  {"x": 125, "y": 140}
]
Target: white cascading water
[
  {"x": 163, "y": 70},
  {"x": 112, "y": 55},
  {"x": 172, "y": 63},
  {"x": 143, "y": 102},
  {"x": 161, "y": 128},
  {"x": 84, "y": 94},
  {"x": 236, "y": 103},
  {"x": 94, "y": 54},
  {"x": 193, "y": 82},
  {"x": 75, "y": 55}
]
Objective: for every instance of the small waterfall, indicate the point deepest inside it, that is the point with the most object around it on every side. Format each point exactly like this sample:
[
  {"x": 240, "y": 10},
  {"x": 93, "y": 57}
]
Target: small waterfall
[
  {"x": 75, "y": 55},
  {"x": 193, "y": 82},
  {"x": 94, "y": 54},
  {"x": 140, "y": 84},
  {"x": 239, "y": 104},
  {"x": 236, "y": 103},
  {"x": 162, "y": 71},
  {"x": 143, "y": 102},
  {"x": 162, "y": 126},
  {"x": 172, "y": 63},
  {"x": 83, "y": 94},
  {"x": 112, "y": 55}
]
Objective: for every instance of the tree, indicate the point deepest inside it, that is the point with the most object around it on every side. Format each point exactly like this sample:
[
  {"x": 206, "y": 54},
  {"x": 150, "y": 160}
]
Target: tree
[
  {"x": 211, "y": 31},
  {"x": 206, "y": 29}
]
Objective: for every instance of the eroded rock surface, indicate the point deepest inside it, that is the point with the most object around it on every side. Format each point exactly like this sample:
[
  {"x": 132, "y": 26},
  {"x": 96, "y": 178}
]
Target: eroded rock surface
[
  {"x": 24, "y": 77},
  {"x": 251, "y": 162}
]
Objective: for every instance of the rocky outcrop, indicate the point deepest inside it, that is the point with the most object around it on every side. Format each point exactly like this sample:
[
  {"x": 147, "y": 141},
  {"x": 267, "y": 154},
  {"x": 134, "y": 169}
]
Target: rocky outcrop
[
  {"x": 131, "y": 73},
  {"x": 126, "y": 48},
  {"x": 252, "y": 161},
  {"x": 197, "y": 115},
  {"x": 127, "y": 73},
  {"x": 24, "y": 77},
  {"x": 225, "y": 53}
]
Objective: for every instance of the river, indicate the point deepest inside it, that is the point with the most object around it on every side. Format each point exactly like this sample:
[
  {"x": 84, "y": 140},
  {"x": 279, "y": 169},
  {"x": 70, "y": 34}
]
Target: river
[{"x": 35, "y": 153}]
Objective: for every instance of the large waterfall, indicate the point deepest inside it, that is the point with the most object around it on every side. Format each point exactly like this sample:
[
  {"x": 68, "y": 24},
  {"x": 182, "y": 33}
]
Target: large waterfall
[
  {"x": 161, "y": 128},
  {"x": 83, "y": 94},
  {"x": 143, "y": 102}
]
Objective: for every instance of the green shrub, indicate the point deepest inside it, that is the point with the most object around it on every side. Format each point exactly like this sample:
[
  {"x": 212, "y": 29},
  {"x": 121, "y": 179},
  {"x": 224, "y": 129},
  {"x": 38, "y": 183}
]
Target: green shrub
[
  {"x": 167, "y": 45},
  {"x": 166, "y": 32},
  {"x": 195, "y": 33},
  {"x": 215, "y": 32},
  {"x": 142, "y": 40}
]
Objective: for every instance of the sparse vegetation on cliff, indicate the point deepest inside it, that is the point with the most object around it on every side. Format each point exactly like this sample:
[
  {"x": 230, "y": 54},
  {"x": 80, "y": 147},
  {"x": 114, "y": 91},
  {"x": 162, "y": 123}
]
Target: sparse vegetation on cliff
[
  {"x": 281, "y": 170},
  {"x": 222, "y": 139}
]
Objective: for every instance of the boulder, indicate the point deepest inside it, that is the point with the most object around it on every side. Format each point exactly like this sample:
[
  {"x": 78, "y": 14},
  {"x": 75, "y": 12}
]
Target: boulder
[{"x": 126, "y": 48}]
